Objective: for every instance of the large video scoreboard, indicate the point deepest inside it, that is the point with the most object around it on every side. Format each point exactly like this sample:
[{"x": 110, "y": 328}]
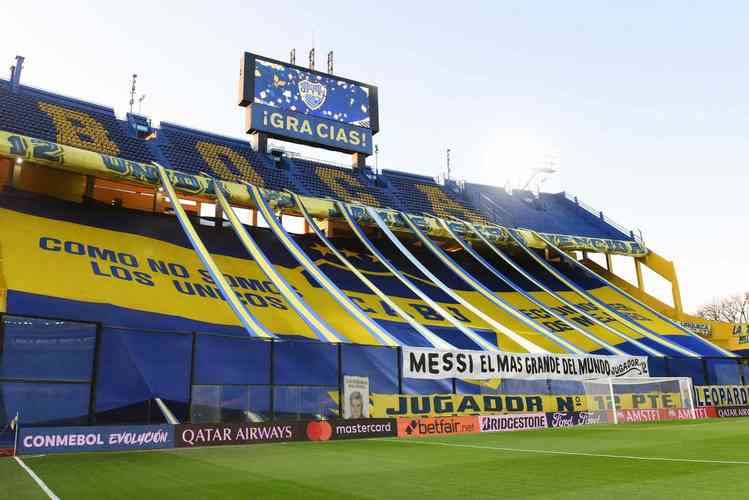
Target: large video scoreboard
[{"x": 308, "y": 107}]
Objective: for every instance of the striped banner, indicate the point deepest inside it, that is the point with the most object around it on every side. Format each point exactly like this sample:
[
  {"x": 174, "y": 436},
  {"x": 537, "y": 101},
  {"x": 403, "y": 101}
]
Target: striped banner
[
  {"x": 469, "y": 279},
  {"x": 372, "y": 327},
  {"x": 630, "y": 324},
  {"x": 519, "y": 339},
  {"x": 430, "y": 336},
  {"x": 652, "y": 311},
  {"x": 249, "y": 322},
  {"x": 409, "y": 284},
  {"x": 323, "y": 330},
  {"x": 505, "y": 279},
  {"x": 505, "y": 258}
]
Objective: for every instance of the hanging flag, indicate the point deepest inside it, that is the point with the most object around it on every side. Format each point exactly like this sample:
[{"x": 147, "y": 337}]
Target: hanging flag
[{"x": 14, "y": 422}]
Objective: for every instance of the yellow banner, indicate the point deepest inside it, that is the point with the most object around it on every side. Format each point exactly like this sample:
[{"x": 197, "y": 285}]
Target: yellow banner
[
  {"x": 721, "y": 395},
  {"x": 586, "y": 243},
  {"x": 395, "y": 405},
  {"x": 55, "y": 258},
  {"x": 82, "y": 263}
]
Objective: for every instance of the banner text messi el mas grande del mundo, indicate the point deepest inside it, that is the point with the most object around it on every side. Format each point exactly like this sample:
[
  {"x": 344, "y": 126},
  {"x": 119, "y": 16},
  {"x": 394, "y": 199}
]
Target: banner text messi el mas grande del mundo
[
  {"x": 420, "y": 363},
  {"x": 306, "y": 106}
]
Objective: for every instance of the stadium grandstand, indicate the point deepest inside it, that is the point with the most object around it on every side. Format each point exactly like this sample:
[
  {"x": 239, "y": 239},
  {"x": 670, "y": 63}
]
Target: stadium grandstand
[{"x": 164, "y": 275}]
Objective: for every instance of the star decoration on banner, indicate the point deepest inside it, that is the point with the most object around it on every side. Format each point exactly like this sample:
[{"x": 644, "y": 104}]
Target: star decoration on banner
[
  {"x": 323, "y": 250},
  {"x": 349, "y": 254}
]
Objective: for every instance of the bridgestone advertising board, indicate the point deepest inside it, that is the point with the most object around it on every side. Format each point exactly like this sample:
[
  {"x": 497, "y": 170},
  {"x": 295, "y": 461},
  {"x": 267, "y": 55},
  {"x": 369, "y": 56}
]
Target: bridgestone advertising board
[{"x": 509, "y": 423}]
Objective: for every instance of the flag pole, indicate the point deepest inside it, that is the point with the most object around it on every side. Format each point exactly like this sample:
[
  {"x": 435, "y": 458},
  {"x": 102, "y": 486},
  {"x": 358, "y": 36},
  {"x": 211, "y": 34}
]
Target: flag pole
[{"x": 15, "y": 441}]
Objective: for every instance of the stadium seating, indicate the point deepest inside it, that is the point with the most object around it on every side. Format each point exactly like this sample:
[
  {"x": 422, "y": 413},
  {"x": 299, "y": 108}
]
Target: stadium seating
[
  {"x": 68, "y": 121},
  {"x": 90, "y": 126},
  {"x": 547, "y": 212},
  {"x": 579, "y": 221},
  {"x": 421, "y": 194},
  {"x": 345, "y": 184},
  {"x": 194, "y": 151}
]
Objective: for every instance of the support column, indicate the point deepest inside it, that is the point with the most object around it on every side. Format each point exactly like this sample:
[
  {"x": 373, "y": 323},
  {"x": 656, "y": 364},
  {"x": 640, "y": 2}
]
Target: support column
[
  {"x": 95, "y": 371},
  {"x": 155, "y": 206},
  {"x": 675, "y": 292},
  {"x": 358, "y": 160},
  {"x": 6, "y": 172},
  {"x": 14, "y": 170},
  {"x": 88, "y": 193},
  {"x": 610, "y": 263},
  {"x": 219, "y": 217},
  {"x": 638, "y": 271},
  {"x": 262, "y": 142}
]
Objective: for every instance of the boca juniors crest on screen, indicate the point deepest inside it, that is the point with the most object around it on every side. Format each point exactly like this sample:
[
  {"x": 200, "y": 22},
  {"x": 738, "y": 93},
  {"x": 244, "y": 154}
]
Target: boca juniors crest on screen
[{"x": 306, "y": 106}]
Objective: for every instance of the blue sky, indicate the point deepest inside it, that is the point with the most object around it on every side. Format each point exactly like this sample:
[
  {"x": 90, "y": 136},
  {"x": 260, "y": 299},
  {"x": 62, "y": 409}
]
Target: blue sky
[{"x": 642, "y": 105}]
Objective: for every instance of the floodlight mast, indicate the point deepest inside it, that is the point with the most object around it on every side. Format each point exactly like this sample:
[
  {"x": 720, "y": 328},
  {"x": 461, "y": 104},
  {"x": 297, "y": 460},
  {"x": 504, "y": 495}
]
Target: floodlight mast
[
  {"x": 448, "y": 163},
  {"x": 536, "y": 173},
  {"x": 132, "y": 92}
]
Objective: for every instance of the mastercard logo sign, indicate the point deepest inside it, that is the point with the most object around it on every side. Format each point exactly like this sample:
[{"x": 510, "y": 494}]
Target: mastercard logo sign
[{"x": 319, "y": 431}]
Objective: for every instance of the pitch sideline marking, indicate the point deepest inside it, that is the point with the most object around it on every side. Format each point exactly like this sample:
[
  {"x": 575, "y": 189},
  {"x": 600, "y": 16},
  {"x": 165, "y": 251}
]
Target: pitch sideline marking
[
  {"x": 574, "y": 453},
  {"x": 37, "y": 479}
]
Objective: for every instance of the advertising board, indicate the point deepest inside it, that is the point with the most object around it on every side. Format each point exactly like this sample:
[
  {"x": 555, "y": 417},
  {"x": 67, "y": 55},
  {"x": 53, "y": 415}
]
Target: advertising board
[
  {"x": 78, "y": 439},
  {"x": 194, "y": 435},
  {"x": 437, "y": 426},
  {"x": 325, "y": 430},
  {"x": 510, "y": 423}
]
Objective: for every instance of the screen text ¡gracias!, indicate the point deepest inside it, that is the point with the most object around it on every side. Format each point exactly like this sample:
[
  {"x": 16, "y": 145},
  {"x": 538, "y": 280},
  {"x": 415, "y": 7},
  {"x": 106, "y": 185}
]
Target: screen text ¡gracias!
[{"x": 321, "y": 130}]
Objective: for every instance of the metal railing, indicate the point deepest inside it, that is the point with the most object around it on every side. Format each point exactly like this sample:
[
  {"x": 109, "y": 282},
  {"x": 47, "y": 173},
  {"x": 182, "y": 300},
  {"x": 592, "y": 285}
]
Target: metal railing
[
  {"x": 602, "y": 216},
  {"x": 295, "y": 155}
]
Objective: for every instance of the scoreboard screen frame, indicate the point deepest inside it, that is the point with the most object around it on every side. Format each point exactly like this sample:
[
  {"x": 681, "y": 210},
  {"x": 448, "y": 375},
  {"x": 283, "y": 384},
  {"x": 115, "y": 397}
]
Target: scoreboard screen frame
[{"x": 247, "y": 97}]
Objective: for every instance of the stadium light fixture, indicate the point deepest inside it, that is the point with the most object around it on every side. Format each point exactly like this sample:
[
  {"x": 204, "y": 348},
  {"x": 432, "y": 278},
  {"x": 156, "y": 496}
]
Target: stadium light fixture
[
  {"x": 19, "y": 161},
  {"x": 132, "y": 92}
]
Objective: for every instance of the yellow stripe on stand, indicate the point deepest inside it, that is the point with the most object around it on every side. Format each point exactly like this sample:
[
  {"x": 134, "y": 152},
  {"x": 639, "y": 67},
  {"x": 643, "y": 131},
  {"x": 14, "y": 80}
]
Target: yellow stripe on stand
[
  {"x": 371, "y": 326},
  {"x": 248, "y": 321},
  {"x": 588, "y": 296},
  {"x": 323, "y": 330},
  {"x": 506, "y": 259},
  {"x": 430, "y": 336},
  {"x": 649, "y": 309},
  {"x": 515, "y": 337}
]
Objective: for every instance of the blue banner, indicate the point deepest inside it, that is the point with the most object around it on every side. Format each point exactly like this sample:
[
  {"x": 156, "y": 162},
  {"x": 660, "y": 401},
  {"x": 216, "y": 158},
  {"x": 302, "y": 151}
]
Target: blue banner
[
  {"x": 575, "y": 418},
  {"x": 34, "y": 440},
  {"x": 309, "y": 129}
]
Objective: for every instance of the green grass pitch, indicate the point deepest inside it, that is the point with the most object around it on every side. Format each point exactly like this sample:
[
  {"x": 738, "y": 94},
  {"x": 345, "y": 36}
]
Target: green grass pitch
[{"x": 687, "y": 459}]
